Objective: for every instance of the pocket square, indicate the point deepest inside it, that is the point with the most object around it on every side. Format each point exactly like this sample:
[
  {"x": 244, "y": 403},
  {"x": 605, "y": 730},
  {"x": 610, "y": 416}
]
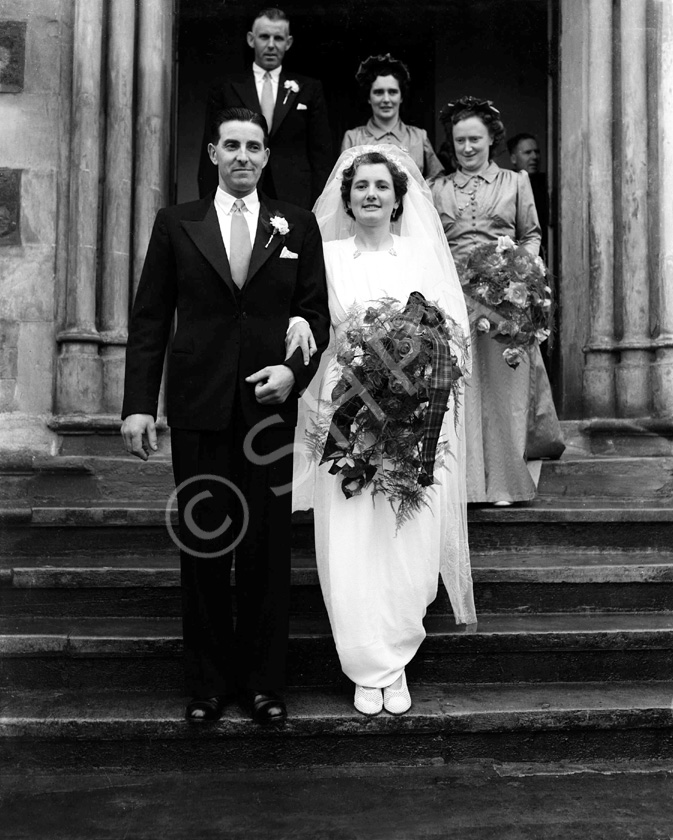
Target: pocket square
[
  {"x": 301, "y": 106},
  {"x": 288, "y": 255}
]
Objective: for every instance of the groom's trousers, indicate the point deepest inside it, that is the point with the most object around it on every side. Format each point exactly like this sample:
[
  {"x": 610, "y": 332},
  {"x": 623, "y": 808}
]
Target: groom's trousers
[{"x": 234, "y": 492}]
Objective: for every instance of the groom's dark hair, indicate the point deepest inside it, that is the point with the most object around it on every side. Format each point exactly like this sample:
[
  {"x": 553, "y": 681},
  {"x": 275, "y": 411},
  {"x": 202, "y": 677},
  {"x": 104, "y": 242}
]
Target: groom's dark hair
[
  {"x": 399, "y": 181},
  {"x": 236, "y": 115}
]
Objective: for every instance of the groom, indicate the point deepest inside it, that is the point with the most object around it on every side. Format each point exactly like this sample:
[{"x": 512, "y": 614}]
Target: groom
[{"x": 234, "y": 268}]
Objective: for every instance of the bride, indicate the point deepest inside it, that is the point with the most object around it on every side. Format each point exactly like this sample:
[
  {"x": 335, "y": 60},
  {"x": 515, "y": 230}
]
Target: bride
[{"x": 377, "y": 579}]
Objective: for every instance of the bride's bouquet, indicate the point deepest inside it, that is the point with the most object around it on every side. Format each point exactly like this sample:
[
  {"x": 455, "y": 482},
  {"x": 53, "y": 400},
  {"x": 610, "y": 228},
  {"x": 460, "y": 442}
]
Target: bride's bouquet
[
  {"x": 398, "y": 373},
  {"x": 508, "y": 294}
]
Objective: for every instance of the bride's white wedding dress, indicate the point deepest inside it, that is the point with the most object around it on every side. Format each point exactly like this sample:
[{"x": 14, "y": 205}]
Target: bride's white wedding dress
[{"x": 377, "y": 581}]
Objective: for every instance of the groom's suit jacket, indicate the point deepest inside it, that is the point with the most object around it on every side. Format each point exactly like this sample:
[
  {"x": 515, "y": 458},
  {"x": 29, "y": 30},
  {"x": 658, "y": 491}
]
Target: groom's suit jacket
[
  {"x": 300, "y": 141},
  {"x": 223, "y": 334}
]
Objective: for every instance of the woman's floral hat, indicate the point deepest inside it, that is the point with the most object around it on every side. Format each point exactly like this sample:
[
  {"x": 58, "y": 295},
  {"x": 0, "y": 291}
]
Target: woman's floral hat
[{"x": 468, "y": 103}]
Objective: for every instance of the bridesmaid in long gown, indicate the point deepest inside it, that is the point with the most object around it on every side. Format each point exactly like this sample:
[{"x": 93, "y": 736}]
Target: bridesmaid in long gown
[
  {"x": 378, "y": 581},
  {"x": 509, "y": 413}
]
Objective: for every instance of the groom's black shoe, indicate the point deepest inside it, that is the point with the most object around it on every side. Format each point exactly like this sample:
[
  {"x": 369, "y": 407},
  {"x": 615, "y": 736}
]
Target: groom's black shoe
[
  {"x": 265, "y": 707},
  {"x": 205, "y": 710}
]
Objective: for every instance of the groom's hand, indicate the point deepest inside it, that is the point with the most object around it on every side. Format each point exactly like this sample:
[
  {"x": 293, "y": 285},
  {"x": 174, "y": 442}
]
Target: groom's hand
[
  {"x": 140, "y": 435},
  {"x": 273, "y": 384}
]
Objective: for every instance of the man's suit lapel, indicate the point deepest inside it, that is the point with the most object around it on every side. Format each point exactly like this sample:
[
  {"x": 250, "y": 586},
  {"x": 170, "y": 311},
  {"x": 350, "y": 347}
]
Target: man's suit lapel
[
  {"x": 284, "y": 102},
  {"x": 207, "y": 237},
  {"x": 247, "y": 91},
  {"x": 263, "y": 248}
]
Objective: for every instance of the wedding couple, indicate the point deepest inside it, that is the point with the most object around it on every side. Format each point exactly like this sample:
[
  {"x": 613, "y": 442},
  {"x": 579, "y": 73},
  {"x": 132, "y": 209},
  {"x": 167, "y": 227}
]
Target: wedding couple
[{"x": 254, "y": 297}]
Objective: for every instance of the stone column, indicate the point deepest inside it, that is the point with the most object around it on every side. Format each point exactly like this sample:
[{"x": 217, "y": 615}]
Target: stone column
[
  {"x": 662, "y": 372},
  {"x": 154, "y": 122},
  {"x": 633, "y": 371},
  {"x": 122, "y": 104},
  {"x": 154, "y": 126},
  {"x": 118, "y": 200},
  {"x": 573, "y": 204},
  {"x": 599, "y": 371},
  {"x": 79, "y": 379}
]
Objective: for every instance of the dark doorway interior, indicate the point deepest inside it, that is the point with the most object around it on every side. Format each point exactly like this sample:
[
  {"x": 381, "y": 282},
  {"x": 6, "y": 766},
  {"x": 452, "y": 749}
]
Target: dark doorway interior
[{"x": 492, "y": 48}]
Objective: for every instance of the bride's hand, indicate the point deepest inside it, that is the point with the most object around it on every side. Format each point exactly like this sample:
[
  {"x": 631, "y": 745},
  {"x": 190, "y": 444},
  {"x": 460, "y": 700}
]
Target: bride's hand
[{"x": 300, "y": 336}]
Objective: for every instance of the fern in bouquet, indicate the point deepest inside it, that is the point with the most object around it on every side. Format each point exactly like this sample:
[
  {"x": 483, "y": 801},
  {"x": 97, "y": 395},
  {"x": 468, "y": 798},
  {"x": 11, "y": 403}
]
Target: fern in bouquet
[
  {"x": 398, "y": 373},
  {"x": 509, "y": 295}
]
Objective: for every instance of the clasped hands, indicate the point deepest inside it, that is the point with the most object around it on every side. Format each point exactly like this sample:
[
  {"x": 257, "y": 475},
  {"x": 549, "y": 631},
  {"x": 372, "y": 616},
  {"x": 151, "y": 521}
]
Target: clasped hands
[{"x": 273, "y": 385}]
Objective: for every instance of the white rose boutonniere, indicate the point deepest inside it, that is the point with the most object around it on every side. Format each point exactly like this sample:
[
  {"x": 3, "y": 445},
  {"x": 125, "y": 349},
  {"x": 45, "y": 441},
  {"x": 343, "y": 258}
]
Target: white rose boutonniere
[
  {"x": 291, "y": 87},
  {"x": 280, "y": 226}
]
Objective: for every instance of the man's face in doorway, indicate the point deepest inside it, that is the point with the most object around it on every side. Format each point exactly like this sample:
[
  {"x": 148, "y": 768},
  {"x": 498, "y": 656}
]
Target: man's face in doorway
[
  {"x": 526, "y": 156},
  {"x": 270, "y": 39}
]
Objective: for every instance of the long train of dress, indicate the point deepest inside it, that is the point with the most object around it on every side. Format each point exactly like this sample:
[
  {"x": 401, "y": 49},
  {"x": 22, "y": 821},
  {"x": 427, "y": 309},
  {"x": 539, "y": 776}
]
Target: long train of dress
[{"x": 377, "y": 581}]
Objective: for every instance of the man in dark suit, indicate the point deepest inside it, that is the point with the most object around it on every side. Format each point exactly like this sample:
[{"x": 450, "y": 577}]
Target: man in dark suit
[
  {"x": 524, "y": 153},
  {"x": 295, "y": 111},
  {"x": 235, "y": 268}
]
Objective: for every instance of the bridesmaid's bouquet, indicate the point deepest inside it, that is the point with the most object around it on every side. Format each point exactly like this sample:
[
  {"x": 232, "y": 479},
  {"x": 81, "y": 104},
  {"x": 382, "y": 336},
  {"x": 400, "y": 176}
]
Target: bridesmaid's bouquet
[
  {"x": 508, "y": 294},
  {"x": 398, "y": 373}
]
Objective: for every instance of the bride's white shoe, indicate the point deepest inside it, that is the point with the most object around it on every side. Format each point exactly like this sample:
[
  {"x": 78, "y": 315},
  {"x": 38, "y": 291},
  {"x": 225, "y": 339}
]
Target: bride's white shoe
[
  {"x": 369, "y": 701},
  {"x": 396, "y": 697}
]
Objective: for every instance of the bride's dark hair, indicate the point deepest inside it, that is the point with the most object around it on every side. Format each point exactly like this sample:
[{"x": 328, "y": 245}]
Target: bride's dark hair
[{"x": 399, "y": 181}]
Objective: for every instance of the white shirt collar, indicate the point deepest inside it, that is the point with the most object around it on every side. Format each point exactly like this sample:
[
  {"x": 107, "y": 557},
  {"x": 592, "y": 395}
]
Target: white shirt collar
[
  {"x": 224, "y": 201},
  {"x": 260, "y": 71}
]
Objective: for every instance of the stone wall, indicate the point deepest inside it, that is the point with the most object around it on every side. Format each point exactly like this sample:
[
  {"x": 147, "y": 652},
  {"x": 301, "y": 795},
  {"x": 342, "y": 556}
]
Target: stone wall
[{"x": 34, "y": 114}]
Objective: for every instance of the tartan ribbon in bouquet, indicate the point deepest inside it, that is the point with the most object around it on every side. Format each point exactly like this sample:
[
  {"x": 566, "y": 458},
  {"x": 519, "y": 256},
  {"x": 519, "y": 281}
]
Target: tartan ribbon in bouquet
[
  {"x": 444, "y": 371},
  {"x": 418, "y": 316}
]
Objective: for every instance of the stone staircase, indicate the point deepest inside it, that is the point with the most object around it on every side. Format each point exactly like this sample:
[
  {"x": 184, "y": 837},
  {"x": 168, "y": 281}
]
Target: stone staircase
[{"x": 572, "y": 658}]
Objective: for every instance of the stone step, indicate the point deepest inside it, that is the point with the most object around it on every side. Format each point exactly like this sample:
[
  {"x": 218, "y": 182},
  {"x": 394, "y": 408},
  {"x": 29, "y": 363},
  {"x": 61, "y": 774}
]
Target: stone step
[
  {"x": 111, "y": 475},
  {"x": 552, "y": 524},
  {"x": 638, "y": 478},
  {"x": 474, "y": 800},
  {"x": 126, "y": 585},
  {"x": 43, "y": 479},
  {"x": 138, "y": 731},
  {"x": 566, "y": 524},
  {"x": 138, "y": 653}
]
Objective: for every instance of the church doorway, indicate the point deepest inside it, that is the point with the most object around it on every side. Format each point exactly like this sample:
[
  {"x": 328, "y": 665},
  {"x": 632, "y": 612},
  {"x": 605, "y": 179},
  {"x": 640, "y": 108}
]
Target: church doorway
[{"x": 497, "y": 49}]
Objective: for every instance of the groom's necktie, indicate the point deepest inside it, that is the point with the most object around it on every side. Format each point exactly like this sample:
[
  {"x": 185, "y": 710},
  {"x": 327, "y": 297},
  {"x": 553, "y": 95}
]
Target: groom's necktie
[
  {"x": 239, "y": 246},
  {"x": 267, "y": 100}
]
